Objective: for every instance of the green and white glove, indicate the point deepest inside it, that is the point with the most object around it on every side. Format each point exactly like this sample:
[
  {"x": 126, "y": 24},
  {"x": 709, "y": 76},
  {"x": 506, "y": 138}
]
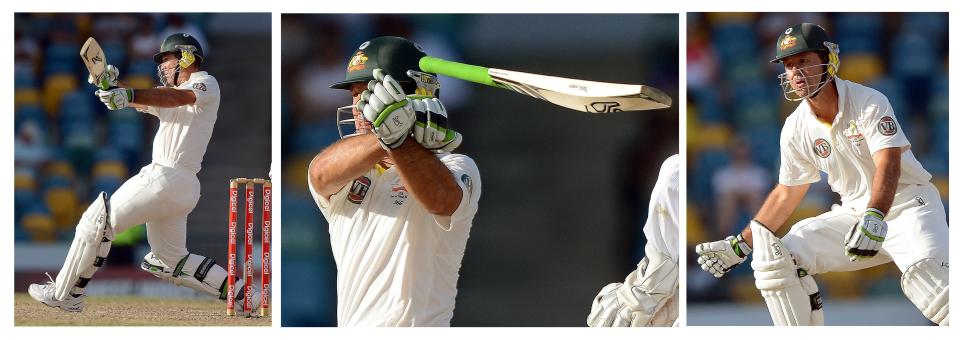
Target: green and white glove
[
  {"x": 719, "y": 257},
  {"x": 386, "y": 107},
  {"x": 115, "y": 98},
  {"x": 430, "y": 129},
  {"x": 107, "y": 79},
  {"x": 864, "y": 239}
]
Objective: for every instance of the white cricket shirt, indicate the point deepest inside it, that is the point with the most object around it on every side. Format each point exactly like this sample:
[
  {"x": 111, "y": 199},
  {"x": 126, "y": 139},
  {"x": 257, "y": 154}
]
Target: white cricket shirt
[
  {"x": 185, "y": 130},
  {"x": 662, "y": 226},
  {"x": 397, "y": 264},
  {"x": 865, "y": 124}
]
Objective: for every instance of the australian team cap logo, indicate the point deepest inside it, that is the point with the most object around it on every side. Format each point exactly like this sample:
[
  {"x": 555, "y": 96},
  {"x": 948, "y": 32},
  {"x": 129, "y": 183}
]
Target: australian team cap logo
[
  {"x": 788, "y": 42},
  {"x": 887, "y": 126},
  {"x": 821, "y": 147},
  {"x": 358, "y": 61}
]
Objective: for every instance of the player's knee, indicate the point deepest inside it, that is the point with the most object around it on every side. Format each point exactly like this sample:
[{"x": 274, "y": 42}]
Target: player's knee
[
  {"x": 927, "y": 284},
  {"x": 94, "y": 224}
]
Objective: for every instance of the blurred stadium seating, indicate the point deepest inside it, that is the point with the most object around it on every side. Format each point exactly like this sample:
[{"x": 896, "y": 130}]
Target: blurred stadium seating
[{"x": 733, "y": 91}]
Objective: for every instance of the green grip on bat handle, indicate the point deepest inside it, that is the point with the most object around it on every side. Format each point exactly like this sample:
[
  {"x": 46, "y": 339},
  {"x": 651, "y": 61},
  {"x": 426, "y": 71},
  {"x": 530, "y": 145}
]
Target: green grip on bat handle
[{"x": 472, "y": 73}]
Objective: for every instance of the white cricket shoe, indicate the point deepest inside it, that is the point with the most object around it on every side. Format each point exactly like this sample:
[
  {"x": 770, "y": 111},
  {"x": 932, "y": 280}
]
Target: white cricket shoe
[
  {"x": 238, "y": 303},
  {"x": 45, "y": 293}
]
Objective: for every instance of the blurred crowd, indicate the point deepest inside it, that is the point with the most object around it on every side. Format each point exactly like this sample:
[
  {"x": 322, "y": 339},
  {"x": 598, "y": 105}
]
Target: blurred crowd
[
  {"x": 736, "y": 109},
  {"x": 68, "y": 147}
]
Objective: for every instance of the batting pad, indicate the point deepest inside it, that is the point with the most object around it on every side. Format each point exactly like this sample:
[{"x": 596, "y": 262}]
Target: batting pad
[
  {"x": 791, "y": 300},
  {"x": 89, "y": 249},
  {"x": 927, "y": 284}
]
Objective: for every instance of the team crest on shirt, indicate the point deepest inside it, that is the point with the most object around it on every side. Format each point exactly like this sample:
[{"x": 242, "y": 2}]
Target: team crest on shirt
[
  {"x": 886, "y": 126},
  {"x": 399, "y": 194},
  {"x": 358, "y": 190},
  {"x": 821, "y": 147},
  {"x": 200, "y": 86},
  {"x": 853, "y": 133}
]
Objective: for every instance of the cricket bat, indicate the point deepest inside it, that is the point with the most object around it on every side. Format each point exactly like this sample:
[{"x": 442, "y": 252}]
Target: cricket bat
[
  {"x": 576, "y": 94},
  {"x": 93, "y": 58}
]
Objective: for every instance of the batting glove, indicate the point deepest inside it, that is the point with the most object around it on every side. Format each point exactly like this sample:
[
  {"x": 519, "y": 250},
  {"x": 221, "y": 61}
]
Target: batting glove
[
  {"x": 719, "y": 257},
  {"x": 107, "y": 79},
  {"x": 430, "y": 129},
  {"x": 115, "y": 98},
  {"x": 864, "y": 239},
  {"x": 386, "y": 107}
]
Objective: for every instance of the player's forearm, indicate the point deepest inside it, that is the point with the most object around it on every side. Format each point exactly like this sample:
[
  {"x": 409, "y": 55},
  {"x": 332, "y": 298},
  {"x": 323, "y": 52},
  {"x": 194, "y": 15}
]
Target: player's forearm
[
  {"x": 344, "y": 161},
  {"x": 885, "y": 180},
  {"x": 427, "y": 179},
  {"x": 781, "y": 202},
  {"x": 163, "y": 97}
]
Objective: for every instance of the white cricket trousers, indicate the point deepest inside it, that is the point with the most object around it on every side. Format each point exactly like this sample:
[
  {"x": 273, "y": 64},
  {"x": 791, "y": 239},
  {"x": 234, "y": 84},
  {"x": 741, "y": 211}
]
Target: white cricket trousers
[
  {"x": 917, "y": 229},
  {"x": 162, "y": 197}
]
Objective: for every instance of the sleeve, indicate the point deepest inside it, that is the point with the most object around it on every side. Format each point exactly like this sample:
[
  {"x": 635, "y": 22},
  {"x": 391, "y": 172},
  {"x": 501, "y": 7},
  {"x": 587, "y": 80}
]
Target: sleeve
[
  {"x": 663, "y": 218},
  {"x": 880, "y": 126},
  {"x": 795, "y": 169},
  {"x": 327, "y": 206},
  {"x": 467, "y": 176},
  {"x": 150, "y": 110},
  {"x": 206, "y": 89}
]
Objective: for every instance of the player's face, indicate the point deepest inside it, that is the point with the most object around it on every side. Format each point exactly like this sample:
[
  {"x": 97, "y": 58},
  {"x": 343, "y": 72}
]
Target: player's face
[
  {"x": 362, "y": 125},
  {"x": 168, "y": 69},
  {"x": 804, "y": 72}
]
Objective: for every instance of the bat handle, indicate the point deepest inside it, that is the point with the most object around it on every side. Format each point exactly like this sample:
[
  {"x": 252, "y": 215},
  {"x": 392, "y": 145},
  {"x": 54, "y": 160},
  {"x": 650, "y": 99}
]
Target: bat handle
[{"x": 471, "y": 73}]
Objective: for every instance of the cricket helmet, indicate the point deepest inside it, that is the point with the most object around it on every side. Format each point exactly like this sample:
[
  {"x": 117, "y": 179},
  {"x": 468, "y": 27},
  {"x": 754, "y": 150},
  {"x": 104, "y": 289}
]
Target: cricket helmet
[
  {"x": 182, "y": 43},
  {"x": 397, "y": 57},
  {"x": 807, "y": 37}
]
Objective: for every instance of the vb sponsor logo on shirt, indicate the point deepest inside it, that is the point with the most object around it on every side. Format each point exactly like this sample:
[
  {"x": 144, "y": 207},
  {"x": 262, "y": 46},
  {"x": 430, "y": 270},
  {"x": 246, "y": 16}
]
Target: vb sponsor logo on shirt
[
  {"x": 886, "y": 126},
  {"x": 358, "y": 190},
  {"x": 821, "y": 147}
]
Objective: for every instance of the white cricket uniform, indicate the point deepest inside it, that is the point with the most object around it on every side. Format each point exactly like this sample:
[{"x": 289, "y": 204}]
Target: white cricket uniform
[
  {"x": 865, "y": 124},
  {"x": 167, "y": 190},
  {"x": 661, "y": 228},
  {"x": 662, "y": 232},
  {"x": 397, "y": 264}
]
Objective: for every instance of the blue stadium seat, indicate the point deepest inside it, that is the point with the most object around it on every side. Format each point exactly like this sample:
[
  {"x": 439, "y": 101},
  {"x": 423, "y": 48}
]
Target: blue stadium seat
[
  {"x": 314, "y": 134},
  {"x": 142, "y": 67},
  {"x": 116, "y": 52},
  {"x": 108, "y": 184},
  {"x": 931, "y": 25},
  {"x": 709, "y": 108},
  {"x": 23, "y": 77},
  {"x": 701, "y": 187},
  {"x": 912, "y": 55}
]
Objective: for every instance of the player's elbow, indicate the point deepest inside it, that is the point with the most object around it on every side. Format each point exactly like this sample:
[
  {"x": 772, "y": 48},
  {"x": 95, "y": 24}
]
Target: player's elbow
[
  {"x": 319, "y": 178},
  {"x": 444, "y": 206}
]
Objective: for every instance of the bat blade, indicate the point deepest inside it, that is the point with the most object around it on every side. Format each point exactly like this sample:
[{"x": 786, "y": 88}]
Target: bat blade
[
  {"x": 576, "y": 94},
  {"x": 93, "y": 58}
]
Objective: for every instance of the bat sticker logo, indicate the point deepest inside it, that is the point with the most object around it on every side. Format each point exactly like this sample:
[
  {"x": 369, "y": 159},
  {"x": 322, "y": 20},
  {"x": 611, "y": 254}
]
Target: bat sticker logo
[
  {"x": 579, "y": 87},
  {"x": 97, "y": 59},
  {"x": 603, "y": 107}
]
